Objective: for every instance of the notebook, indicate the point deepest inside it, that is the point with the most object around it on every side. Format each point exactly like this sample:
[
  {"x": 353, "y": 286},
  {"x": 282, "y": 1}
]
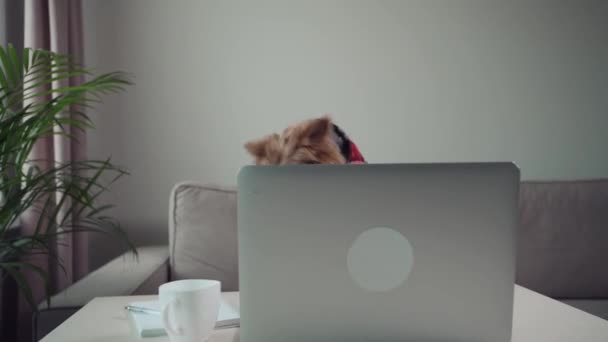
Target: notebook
[{"x": 151, "y": 324}]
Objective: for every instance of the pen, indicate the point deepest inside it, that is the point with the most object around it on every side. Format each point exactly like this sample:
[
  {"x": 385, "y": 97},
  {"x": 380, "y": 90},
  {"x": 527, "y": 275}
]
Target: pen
[{"x": 141, "y": 310}]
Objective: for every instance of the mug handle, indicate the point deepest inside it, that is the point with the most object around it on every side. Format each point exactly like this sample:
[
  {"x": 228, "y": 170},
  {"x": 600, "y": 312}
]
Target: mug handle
[{"x": 167, "y": 323}]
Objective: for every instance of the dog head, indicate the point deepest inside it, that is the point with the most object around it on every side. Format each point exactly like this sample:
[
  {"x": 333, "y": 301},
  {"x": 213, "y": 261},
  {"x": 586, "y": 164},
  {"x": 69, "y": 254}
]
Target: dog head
[
  {"x": 310, "y": 142},
  {"x": 307, "y": 142}
]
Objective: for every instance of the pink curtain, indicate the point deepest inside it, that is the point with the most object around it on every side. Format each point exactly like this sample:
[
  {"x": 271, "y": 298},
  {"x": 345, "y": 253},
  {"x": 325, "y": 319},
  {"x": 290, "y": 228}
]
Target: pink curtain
[{"x": 56, "y": 25}]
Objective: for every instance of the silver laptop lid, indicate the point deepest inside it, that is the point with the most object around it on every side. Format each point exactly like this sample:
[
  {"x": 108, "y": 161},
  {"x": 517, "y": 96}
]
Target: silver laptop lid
[{"x": 392, "y": 252}]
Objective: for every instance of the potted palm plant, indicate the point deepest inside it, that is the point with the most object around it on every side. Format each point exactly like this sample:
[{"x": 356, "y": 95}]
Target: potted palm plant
[{"x": 64, "y": 197}]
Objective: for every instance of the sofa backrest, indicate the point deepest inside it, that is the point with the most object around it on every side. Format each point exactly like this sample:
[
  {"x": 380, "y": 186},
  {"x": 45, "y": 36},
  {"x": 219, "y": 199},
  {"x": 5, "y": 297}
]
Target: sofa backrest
[
  {"x": 563, "y": 236},
  {"x": 202, "y": 233}
]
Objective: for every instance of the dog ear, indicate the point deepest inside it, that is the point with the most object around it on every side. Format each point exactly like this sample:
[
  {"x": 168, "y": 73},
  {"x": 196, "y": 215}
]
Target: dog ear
[
  {"x": 318, "y": 129},
  {"x": 259, "y": 148},
  {"x": 255, "y": 148}
]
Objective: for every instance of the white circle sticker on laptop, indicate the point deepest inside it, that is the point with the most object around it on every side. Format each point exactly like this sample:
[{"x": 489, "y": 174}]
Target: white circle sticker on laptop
[{"x": 380, "y": 259}]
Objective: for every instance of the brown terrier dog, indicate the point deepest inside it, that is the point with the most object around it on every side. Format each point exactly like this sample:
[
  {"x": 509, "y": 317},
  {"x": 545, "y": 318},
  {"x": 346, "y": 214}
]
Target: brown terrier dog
[{"x": 315, "y": 141}]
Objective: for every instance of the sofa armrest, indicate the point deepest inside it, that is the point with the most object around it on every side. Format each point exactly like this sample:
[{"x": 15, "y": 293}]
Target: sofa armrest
[
  {"x": 596, "y": 307},
  {"x": 125, "y": 275},
  {"x": 45, "y": 321}
]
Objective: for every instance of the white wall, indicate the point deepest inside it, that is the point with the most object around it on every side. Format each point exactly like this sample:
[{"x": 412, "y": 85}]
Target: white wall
[{"x": 410, "y": 81}]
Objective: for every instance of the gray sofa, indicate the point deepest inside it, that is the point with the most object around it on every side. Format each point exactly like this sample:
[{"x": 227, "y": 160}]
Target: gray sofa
[
  {"x": 563, "y": 242},
  {"x": 563, "y": 248}
]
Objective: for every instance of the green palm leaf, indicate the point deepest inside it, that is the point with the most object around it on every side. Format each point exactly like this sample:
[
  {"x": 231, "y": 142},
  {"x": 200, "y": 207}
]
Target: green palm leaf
[{"x": 65, "y": 196}]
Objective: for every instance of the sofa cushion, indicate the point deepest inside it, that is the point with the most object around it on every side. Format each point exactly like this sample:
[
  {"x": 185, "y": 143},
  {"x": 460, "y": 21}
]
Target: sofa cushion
[
  {"x": 563, "y": 242},
  {"x": 203, "y": 233}
]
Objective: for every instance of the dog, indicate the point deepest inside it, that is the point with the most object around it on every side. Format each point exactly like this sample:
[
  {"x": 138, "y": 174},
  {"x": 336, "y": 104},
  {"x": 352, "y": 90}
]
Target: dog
[{"x": 314, "y": 141}]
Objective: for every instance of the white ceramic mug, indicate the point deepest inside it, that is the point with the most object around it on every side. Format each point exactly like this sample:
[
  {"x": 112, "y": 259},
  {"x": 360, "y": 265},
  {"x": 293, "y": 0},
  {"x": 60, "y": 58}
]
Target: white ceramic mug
[{"x": 190, "y": 308}]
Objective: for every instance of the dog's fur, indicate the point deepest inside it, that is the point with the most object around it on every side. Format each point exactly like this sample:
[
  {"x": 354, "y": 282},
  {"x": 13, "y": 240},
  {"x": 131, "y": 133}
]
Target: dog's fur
[
  {"x": 307, "y": 142},
  {"x": 265, "y": 151}
]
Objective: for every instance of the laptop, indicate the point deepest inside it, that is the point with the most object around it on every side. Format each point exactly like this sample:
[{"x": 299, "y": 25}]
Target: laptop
[{"x": 386, "y": 252}]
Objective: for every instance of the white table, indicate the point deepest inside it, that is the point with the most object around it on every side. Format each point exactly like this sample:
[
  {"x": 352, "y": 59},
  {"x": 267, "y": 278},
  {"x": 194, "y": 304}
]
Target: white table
[{"x": 536, "y": 318}]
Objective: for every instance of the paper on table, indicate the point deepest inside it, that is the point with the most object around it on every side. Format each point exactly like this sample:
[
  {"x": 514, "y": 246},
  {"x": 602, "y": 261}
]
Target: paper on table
[{"x": 151, "y": 325}]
